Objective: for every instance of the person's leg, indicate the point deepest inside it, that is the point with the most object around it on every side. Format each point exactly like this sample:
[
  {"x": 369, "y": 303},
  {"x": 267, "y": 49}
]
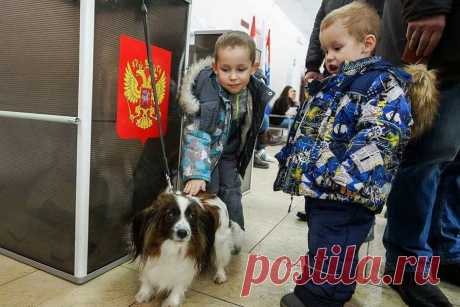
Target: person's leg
[
  {"x": 411, "y": 206},
  {"x": 333, "y": 223},
  {"x": 409, "y": 214},
  {"x": 446, "y": 227},
  {"x": 263, "y": 129},
  {"x": 230, "y": 190},
  {"x": 415, "y": 188},
  {"x": 260, "y": 145},
  {"x": 261, "y": 157},
  {"x": 286, "y": 123},
  {"x": 445, "y": 236}
]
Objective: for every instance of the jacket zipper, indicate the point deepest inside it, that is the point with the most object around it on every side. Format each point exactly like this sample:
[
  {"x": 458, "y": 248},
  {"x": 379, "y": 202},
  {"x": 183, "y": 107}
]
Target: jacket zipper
[{"x": 226, "y": 133}]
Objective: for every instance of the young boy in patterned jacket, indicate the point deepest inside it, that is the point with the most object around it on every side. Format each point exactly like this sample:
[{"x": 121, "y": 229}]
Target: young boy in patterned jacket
[
  {"x": 345, "y": 147},
  {"x": 224, "y": 106}
]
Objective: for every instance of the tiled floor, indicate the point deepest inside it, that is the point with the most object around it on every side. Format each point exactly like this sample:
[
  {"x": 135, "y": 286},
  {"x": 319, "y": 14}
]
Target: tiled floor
[{"x": 271, "y": 231}]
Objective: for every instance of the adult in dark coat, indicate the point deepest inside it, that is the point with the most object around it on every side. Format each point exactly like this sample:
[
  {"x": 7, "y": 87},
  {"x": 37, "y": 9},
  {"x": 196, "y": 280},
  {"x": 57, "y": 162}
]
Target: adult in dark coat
[{"x": 424, "y": 205}]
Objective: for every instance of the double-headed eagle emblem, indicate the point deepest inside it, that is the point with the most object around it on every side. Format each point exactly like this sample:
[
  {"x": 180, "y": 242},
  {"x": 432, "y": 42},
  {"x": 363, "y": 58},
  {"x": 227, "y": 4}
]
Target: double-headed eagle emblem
[{"x": 138, "y": 92}]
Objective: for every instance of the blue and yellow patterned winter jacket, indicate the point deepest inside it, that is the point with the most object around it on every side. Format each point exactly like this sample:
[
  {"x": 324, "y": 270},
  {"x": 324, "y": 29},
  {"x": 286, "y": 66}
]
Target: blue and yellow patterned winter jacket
[
  {"x": 207, "y": 111},
  {"x": 347, "y": 140}
]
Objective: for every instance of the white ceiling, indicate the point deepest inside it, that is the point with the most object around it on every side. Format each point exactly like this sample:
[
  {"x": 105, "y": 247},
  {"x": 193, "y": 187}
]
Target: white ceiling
[{"x": 301, "y": 13}]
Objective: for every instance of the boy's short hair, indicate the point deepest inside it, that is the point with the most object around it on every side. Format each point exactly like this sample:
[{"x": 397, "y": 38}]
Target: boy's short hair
[
  {"x": 359, "y": 18},
  {"x": 233, "y": 39}
]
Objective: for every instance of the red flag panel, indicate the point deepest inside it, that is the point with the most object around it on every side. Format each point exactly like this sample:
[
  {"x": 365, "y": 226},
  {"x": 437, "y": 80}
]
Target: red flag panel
[
  {"x": 253, "y": 31},
  {"x": 136, "y": 116}
]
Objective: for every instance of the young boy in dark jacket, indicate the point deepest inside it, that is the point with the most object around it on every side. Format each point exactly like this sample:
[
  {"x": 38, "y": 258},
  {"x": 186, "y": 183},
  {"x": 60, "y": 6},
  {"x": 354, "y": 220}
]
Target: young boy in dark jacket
[
  {"x": 345, "y": 147},
  {"x": 224, "y": 105}
]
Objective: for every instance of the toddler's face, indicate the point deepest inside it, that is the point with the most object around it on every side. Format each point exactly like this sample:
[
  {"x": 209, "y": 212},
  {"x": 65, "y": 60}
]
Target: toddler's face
[
  {"x": 233, "y": 68},
  {"x": 339, "y": 47}
]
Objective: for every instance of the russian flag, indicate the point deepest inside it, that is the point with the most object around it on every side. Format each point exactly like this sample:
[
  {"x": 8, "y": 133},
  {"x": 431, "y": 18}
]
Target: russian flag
[
  {"x": 267, "y": 60},
  {"x": 253, "y": 32}
]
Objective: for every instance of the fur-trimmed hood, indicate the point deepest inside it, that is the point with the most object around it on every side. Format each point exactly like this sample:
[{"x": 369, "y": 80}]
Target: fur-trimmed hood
[
  {"x": 187, "y": 101},
  {"x": 424, "y": 97}
]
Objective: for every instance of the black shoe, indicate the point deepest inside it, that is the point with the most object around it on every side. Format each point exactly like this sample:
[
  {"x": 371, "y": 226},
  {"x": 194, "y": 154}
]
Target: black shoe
[
  {"x": 291, "y": 300},
  {"x": 275, "y": 140},
  {"x": 258, "y": 163},
  {"x": 267, "y": 138},
  {"x": 415, "y": 295},
  {"x": 450, "y": 273},
  {"x": 302, "y": 216}
]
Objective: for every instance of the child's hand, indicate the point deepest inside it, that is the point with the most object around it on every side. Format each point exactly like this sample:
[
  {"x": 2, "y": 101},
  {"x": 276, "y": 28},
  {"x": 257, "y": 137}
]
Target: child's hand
[
  {"x": 195, "y": 186},
  {"x": 312, "y": 75}
]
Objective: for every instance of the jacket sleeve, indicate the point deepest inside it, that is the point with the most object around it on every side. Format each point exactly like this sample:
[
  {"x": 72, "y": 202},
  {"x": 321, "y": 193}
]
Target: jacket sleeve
[
  {"x": 315, "y": 55},
  {"x": 196, "y": 161},
  {"x": 372, "y": 157},
  {"x": 416, "y": 9}
]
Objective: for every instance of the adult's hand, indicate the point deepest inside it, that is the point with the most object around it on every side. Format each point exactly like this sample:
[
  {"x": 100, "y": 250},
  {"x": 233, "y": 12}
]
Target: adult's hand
[
  {"x": 313, "y": 75},
  {"x": 423, "y": 35}
]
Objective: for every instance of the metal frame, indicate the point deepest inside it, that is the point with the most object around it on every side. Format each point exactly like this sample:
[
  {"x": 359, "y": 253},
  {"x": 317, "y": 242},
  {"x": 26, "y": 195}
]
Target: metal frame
[
  {"x": 191, "y": 38},
  {"x": 85, "y": 96},
  {"x": 210, "y": 31},
  {"x": 183, "y": 68},
  {"x": 277, "y": 127},
  {"x": 62, "y": 274},
  {"x": 41, "y": 117}
]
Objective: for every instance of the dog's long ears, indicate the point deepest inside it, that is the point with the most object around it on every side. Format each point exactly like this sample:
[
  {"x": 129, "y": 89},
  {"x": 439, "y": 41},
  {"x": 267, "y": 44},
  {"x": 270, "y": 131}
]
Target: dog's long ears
[
  {"x": 202, "y": 197},
  {"x": 139, "y": 227}
]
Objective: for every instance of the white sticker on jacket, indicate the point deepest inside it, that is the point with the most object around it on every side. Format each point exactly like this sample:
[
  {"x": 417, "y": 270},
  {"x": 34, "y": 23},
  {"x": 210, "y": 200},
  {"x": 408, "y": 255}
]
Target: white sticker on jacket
[{"x": 367, "y": 158}]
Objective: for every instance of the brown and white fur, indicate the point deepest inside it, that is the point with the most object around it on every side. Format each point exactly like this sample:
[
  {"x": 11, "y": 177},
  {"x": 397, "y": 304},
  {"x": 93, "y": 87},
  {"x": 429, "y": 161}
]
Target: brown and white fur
[{"x": 178, "y": 237}]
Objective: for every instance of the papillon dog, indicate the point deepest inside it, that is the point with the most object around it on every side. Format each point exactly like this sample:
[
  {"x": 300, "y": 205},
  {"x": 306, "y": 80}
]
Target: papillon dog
[{"x": 176, "y": 238}]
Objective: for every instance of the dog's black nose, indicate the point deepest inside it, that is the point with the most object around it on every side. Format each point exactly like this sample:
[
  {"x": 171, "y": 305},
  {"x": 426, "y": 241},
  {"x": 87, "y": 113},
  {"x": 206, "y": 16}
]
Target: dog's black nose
[{"x": 181, "y": 233}]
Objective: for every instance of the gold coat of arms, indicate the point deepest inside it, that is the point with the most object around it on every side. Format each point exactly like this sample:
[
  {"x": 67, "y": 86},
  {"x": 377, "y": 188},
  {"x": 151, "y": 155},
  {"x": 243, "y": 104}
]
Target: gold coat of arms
[{"x": 138, "y": 92}]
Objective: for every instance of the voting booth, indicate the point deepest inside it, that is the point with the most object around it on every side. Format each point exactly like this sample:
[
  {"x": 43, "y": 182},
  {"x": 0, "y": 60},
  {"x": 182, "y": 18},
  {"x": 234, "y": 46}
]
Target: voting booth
[{"x": 80, "y": 152}]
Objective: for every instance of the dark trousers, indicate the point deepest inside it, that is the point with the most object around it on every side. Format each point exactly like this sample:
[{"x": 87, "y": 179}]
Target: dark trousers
[
  {"x": 333, "y": 223},
  {"x": 424, "y": 204},
  {"x": 226, "y": 183},
  {"x": 263, "y": 129}
]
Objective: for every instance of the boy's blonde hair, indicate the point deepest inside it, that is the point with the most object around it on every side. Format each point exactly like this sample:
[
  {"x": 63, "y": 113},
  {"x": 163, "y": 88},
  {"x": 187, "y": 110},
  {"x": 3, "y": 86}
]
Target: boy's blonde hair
[
  {"x": 359, "y": 18},
  {"x": 234, "y": 39}
]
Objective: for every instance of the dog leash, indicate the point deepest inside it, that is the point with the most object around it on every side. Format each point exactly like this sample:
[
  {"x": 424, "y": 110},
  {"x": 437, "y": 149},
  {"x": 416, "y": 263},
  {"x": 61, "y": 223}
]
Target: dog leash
[{"x": 155, "y": 97}]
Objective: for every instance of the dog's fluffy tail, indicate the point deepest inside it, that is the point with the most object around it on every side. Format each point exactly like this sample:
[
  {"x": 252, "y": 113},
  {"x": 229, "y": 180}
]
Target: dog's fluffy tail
[{"x": 237, "y": 237}]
